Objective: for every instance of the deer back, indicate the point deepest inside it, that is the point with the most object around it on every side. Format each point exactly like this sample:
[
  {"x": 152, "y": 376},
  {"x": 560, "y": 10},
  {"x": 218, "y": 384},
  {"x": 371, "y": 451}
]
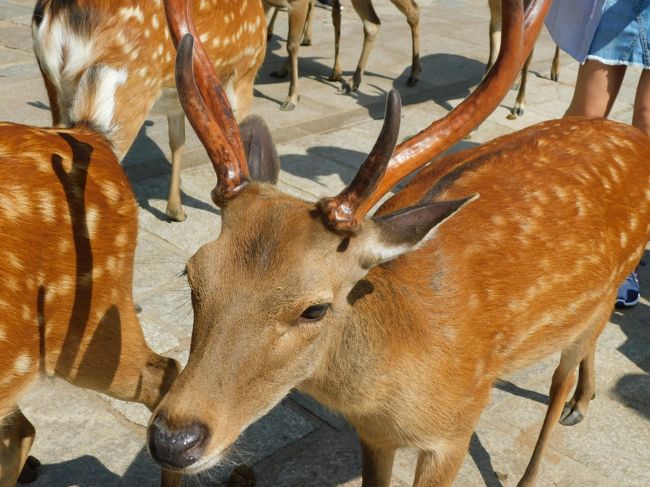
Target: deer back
[{"x": 69, "y": 225}]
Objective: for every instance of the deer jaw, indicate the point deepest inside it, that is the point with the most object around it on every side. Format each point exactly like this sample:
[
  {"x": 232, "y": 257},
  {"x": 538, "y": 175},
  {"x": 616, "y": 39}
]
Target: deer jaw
[{"x": 255, "y": 336}]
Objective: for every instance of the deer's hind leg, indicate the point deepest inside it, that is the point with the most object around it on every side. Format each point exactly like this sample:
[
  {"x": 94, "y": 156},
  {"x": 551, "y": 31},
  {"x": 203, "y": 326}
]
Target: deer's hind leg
[
  {"x": 16, "y": 439},
  {"x": 576, "y": 409},
  {"x": 581, "y": 352},
  {"x": 411, "y": 11},
  {"x": 439, "y": 469}
]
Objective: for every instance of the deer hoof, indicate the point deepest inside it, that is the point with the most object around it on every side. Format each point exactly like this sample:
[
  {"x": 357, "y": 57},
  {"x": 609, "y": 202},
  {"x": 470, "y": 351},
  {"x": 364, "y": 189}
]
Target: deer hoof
[
  {"x": 570, "y": 416},
  {"x": 412, "y": 81},
  {"x": 242, "y": 476},
  {"x": 518, "y": 110},
  {"x": 555, "y": 76},
  {"x": 306, "y": 42},
  {"x": 30, "y": 470},
  {"x": 175, "y": 214},
  {"x": 287, "y": 106},
  {"x": 335, "y": 77},
  {"x": 279, "y": 74}
]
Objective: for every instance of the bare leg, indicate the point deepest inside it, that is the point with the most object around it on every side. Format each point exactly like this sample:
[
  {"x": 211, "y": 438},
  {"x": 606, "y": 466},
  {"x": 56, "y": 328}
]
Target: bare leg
[
  {"x": 495, "y": 32},
  {"x": 520, "y": 103},
  {"x": 440, "y": 469},
  {"x": 371, "y": 24},
  {"x": 336, "y": 20},
  {"x": 555, "y": 66},
  {"x": 16, "y": 438},
  {"x": 377, "y": 466},
  {"x": 412, "y": 12},
  {"x": 641, "y": 117},
  {"x": 596, "y": 89},
  {"x": 576, "y": 408},
  {"x": 176, "y": 129}
]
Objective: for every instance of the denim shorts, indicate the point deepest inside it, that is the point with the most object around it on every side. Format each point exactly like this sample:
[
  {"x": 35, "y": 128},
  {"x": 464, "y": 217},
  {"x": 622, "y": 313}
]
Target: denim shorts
[{"x": 622, "y": 34}]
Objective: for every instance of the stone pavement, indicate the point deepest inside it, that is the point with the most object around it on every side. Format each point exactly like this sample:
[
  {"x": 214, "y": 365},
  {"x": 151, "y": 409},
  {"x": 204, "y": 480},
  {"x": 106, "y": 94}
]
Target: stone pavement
[{"x": 86, "y": 439}]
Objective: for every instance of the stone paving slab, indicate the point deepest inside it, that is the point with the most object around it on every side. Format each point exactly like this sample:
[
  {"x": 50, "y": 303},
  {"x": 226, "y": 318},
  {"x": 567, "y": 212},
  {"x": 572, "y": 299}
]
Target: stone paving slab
[{"x": 87, "y": 439}]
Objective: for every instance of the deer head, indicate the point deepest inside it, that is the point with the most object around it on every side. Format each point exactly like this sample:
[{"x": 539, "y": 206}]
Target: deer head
[{"x": 271, "y": 295}]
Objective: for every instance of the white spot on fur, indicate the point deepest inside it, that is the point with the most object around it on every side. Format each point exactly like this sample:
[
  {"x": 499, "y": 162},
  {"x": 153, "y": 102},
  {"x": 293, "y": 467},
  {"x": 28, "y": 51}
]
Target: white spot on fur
[
  {"x": 132, "y": 13},
  {"x": 22, "y": 363},
  {"x": 623, "y": 239},
  {"x": 155, "y": 22},
  {"x": 204, "y": 37},
  {"x": 92, "y": 220}
]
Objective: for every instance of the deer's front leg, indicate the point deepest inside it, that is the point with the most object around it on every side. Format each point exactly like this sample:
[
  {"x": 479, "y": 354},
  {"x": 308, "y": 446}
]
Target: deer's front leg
[
  {"x": 176, "y": 125},
  {"x": 297, "y": 19},
  {"x": 371, "y": 24},
  {"x": 377, "y": 465},
  {"x": 16, "y": 438},
  {"x": 336, "y": 21}
]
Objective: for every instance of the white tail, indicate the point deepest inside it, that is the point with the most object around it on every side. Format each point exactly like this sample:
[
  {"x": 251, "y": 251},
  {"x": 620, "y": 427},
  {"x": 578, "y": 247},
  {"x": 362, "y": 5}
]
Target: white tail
[{"x": 108, "y": 62}]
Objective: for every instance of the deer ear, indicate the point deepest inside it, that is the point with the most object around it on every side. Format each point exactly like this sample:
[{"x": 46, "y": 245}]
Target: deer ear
[
  {"x": 406, "y": 230},
  {"x": 263, "y": 159}
]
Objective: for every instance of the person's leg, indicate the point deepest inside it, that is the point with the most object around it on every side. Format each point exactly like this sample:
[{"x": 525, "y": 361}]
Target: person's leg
[
  {"x": 596, "y": 89},
  {"x": 641, "y": 116}
]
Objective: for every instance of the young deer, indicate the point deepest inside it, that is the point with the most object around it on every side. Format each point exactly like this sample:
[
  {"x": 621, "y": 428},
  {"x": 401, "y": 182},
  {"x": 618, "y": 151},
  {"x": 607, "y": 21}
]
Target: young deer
[
  {"x": 403, "y": 321},
  {"x": 88, "y": 48},
  {"x": 495, "y": 40}
]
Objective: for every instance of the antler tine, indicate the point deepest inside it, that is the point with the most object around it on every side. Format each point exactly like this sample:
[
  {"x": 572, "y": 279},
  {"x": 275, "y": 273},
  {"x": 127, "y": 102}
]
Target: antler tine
[
  {"x": 340, "y": 210},
  {"x": 519, "y": 36},
  {"x": 211, "y": 114}
]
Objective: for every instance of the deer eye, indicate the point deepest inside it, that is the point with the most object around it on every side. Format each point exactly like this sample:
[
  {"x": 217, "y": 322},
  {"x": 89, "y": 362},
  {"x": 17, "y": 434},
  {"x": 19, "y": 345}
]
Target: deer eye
[{"x": 315, "y": 312}]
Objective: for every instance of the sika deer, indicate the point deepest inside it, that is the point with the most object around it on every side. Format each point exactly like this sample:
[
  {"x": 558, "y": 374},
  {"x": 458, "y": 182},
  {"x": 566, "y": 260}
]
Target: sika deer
[
  {"x": 495, "y": 40},
  {"x": 403, "y": 321},
  {"x": 68, "y": 239},
  {"x": 86, "y": 47}
]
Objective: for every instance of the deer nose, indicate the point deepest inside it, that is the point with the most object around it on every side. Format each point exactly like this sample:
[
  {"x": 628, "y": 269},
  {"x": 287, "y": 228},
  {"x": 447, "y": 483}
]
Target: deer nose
[{"x": 178, "y": 447}]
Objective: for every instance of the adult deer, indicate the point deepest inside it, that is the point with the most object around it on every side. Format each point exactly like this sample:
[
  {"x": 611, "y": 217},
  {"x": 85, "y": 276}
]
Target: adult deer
[
  {"x": 495, "y": 40},
  {"x": 403, "y": 321},
  {"x": 85, "y": 47}
]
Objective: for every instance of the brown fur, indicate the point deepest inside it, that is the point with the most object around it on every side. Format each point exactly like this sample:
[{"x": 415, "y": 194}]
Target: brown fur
[
  {"x": 68, "y": 230},
  {"x": 409, "y": 351}
]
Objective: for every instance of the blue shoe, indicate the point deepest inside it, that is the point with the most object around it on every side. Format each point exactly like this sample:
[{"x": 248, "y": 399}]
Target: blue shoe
[{"x": 628, "y": 292}]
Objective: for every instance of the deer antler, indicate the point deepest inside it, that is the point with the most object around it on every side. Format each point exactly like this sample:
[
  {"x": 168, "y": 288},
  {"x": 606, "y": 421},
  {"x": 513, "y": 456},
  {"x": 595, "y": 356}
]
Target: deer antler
[
  {"x": 205, "y": 103},
  {"x": 346, "y": 211}
]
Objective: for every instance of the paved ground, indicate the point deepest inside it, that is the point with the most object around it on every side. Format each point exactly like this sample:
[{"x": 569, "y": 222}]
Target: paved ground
[{"x": 85, "y": 439}]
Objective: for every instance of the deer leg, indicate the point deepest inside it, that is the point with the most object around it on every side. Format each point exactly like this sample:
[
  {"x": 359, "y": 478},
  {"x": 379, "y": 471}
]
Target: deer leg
[
  {"x": 495, "y": 32},
  {"x": 16, "y": 438},
  {"x": 555, "y": 66},
  {"x": 561, "y": 384},
  {"x": 377, "y": 465},
  {"x": 520, "y": 103},
  {"x": 412, "y": 12},
  {"x": 176, "y": 129},
  {"x": 336, "y": 20},
  {"x": 439, "y": 469},
  {"x": 371, "y": 24},
  {"x": 269, "y": 30},
  {"x": 306, "y": 35},
  {"x": 576, "y": 408},
  {"x": 297, "y": 18}
]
